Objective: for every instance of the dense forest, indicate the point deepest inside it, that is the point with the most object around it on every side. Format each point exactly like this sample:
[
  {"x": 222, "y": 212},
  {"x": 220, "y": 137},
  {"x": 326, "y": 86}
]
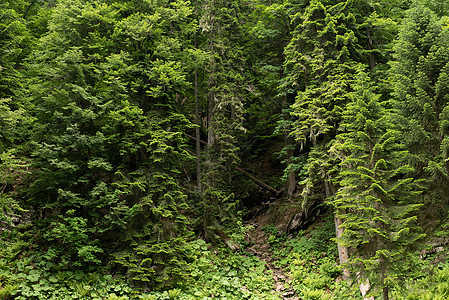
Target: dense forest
[{"x": 207, "y": 149}]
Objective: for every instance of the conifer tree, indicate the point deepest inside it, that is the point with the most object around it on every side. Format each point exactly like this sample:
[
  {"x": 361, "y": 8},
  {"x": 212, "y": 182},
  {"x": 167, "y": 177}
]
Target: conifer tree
[
  {"x": 321, "y": 60},
  {"x": 322, "y": 57},
  {"x": 420, "y": 77},
  {"x": 377, "y": 198},
  {"x": 15, "y": 43},
  {"x": 222, "y": 84},
  {"x": 108, "y": 142},
  {"x": 273, "y": 24},
  {"x": 330, "y": 42},
  {"x": 224, "y": 76}
]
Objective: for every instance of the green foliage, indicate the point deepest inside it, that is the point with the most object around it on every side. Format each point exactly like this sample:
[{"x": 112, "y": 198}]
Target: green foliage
[
  {"x": 431, "y": 285},
  {"x": 95, "y": 167},
  {"x": 311, "y": 260},
  {"x": 310, "y": 246},
  {"x": 229, "y": 276},
  {"x": 151, "y": 263},
  {"x": 419, "y": 76},
  {"x": 12, "y": 176},
  {"x": 15, "y": 42},
  {"x": 72, "y": 233},
  {"x": 378, "y": 198},
  {"x": 224, "y": 82},
  {"x": 108, "y": 142},
  {"x": 69, "y": 285},
  {"x": 27, "y": 275},
  {"x": 322, "y": 60}
]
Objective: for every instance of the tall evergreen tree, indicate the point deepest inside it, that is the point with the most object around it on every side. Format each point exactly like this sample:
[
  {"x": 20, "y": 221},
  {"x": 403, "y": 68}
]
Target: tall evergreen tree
[
  {"x": 274, "y": 23},
  {"x": 222, "y": 87},
  {"x": 377, "y": 198},
  {"x": 420, "y": 82},
  {"x": 332, "y": 42},
  {"x": 109, "y": 142},
  {"x": 15, "y": 44},
  {"x": 322, "y": 58}
]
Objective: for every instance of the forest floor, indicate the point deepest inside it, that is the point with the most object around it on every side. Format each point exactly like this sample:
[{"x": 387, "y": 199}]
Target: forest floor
[{"x": 259, "y": 246}]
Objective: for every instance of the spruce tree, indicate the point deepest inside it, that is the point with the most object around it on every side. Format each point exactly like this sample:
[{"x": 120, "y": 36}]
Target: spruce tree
[
  {"x": 322, "y": 58},
  {"x": 273, "y": 24},
  {"x": 222, "y": 89},
  {"x": 419, "y": 76},
  {"x": 109, "y": 141},
  {"x": 377, "y": 198},
  {"x": 15, "y": 44},
  {"x": 329, "y": 43}
]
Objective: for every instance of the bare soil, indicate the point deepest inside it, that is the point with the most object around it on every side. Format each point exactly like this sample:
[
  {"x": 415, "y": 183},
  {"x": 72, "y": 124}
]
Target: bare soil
[{"x": 259, "y": 246}]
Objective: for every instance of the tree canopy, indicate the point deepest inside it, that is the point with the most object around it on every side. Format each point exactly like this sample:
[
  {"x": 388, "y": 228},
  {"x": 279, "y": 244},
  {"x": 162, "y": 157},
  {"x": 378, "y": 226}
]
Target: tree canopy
[{"x": 137, "y": 137}]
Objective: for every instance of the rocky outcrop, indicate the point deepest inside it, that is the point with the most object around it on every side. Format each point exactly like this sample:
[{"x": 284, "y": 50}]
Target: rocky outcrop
[{"x": 305, "y": 217}]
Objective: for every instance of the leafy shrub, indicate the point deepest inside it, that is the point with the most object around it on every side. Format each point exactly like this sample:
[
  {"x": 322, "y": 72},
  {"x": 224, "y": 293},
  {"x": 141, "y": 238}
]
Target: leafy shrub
[
  {"x": 329, "y": 267},
  {"x": 72, "y": 235},
  {"x": 433, "y": 286},
  {"x": 315, "y": 295},
  {"x": 164, "y": 263}
]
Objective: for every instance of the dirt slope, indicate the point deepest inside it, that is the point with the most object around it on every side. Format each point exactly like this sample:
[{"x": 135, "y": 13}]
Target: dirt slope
[{"x": 259, "y": 246}]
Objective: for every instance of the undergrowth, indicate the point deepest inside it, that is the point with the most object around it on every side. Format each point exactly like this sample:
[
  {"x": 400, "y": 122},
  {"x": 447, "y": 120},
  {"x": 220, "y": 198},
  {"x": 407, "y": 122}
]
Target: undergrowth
[
  {"x": 216, "y": 272},
  {"x": 309, "y": 258}
]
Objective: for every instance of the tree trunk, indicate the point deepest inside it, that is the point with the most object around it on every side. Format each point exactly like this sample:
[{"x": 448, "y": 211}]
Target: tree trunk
[
  {"x": 291, "y": 177},
  {"x": 197, "y": 121},
  {"x": 210, "y": 131},
  {"x": 372, "y": 61},
  {"x": 385, "y": 291},
  {"x": 343, "y": 254},
  {"x": 259, "y": 182},
  {"x": 291, "y": 184},
  {"x": 197, "y": 133},
  {"x": 28, "y": 8},
  {"x": 385, "y": 288},
  {"x": 254, "y": 179}
]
